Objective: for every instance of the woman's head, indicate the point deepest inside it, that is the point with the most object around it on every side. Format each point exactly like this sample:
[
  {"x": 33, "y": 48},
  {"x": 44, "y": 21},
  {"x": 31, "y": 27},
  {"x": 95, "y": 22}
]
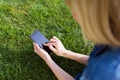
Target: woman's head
[{"x": 99, "y": 19}]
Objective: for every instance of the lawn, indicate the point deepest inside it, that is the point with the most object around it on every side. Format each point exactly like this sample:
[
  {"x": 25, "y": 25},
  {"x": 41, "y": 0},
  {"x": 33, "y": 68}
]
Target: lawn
[{"x": 18, "y": 19}]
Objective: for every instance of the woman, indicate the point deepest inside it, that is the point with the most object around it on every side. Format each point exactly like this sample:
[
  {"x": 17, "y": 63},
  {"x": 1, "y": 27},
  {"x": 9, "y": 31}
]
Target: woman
[{"x": 100, "y": 22}]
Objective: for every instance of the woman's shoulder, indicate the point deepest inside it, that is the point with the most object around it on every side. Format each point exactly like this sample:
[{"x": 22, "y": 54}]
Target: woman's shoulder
[
  {"x": 106, "y": 56},
  {"x": 105, "y": 49},
  {"x": 104, "y": 63}
]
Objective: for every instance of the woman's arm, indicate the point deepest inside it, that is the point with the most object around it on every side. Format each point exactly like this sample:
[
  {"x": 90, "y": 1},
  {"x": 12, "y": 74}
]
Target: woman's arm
[
  {"x": 58, "y": 48},
  {"x": 83, "y": 59},
  {"x": 59, "y": 72}
]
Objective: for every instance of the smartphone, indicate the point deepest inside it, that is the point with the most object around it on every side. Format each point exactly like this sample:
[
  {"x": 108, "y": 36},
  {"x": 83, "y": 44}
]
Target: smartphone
[{"x": 40, "y": 39}]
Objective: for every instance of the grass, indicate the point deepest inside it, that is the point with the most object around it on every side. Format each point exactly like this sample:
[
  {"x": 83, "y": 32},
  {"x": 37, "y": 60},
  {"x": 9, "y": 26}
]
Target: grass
[{"x": 18, "y": 19}]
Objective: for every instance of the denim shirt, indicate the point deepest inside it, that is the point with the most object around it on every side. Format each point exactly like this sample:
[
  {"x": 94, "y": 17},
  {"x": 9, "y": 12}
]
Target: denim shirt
[{"x": 103, "y": 64}]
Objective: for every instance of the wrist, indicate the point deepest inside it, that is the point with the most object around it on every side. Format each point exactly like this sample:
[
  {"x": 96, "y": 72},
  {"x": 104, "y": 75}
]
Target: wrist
[
  {"x": 65, "y": 53},
  {"x": 48, "y": 58},
  {"x": 48, "y": 61}
]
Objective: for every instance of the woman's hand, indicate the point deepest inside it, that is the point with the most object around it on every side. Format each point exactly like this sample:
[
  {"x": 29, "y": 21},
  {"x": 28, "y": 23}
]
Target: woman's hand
[
  {"x": 59, "y": 72},
  {"x": 56, "y": 46},
  {"x": 42, "y": 53}
]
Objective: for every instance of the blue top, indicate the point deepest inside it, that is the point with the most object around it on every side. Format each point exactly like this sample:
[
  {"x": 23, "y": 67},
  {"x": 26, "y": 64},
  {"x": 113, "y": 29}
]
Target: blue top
[{"x": 103, "y": 64}]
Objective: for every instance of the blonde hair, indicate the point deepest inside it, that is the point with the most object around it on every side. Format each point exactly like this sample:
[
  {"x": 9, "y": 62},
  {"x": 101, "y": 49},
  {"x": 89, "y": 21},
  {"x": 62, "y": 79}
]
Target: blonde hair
[{"x": 99, "y": 19}]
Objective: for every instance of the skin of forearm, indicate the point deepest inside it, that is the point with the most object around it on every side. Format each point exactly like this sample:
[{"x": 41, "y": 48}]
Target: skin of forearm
[
  {"x": 59, "y": 72},
  {"x": 83, "y": 59}
]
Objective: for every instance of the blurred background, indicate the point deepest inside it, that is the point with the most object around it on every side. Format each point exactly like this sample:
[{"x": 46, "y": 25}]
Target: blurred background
[{"x": 18, "y": 19}]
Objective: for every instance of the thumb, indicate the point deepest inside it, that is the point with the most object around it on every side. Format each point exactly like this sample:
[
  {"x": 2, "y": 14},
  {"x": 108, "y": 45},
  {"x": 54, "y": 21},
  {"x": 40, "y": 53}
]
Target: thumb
[{"x": 36, "y": 45}]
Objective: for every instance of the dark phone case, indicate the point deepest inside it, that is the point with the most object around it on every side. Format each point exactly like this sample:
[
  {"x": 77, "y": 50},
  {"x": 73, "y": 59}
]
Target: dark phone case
[{"x": 40, "y": 39}]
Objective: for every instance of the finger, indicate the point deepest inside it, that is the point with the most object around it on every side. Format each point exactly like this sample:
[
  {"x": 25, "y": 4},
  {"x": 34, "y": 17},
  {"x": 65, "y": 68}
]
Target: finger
[
  {"x": 36, "y": 46},
  {"x": 52, "y": 40},
  {"x": 46, "y": 44},
  {"x": 54, "y": 37},
  {"x": 49, "y": 44},
  {"x": 52, "y": 48}
]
